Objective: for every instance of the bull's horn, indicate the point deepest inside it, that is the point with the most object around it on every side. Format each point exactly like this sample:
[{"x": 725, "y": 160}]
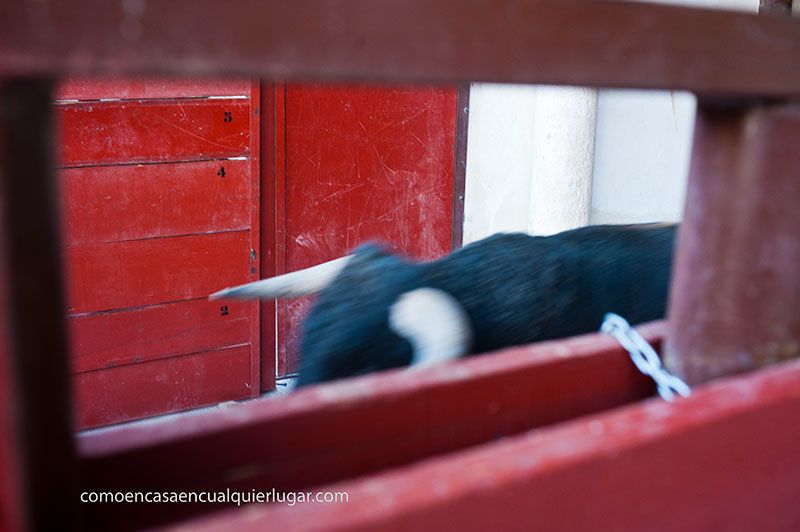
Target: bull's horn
[
  {"x": 434, "y": 323},
  {"x": 300, "y": 283}
]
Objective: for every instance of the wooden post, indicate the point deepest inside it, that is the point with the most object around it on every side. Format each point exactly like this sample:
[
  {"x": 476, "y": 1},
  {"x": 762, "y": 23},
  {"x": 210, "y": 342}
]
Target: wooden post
[
  {"x": 37, "y": 407},
  {"x": 735, "y": 300},
  {"x": 775, "y": 7}
]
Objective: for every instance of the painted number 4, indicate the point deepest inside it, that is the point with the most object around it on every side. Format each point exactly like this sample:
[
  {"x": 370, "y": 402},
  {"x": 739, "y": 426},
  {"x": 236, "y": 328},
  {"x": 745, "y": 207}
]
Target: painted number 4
[{"x": 221, "y": 171}]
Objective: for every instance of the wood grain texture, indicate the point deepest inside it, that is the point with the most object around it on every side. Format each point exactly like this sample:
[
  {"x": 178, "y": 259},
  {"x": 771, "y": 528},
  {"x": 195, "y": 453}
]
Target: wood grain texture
[
  {"x": 735, "y": 289},
  {"x": 116, "y": 203},
  {"x": 104, "y": 133},
  {"x": 360, "y": 426},
  {"x": 111, "y": 339},
  {"x": 36, "y": 349},
  {"x": 160, "y": 386},
  {"x": 364, "y": 164},
  {"x": 14, "y": 502},
  {"x": 157, "y": 217},
  {"x": 602, "y": 43},
  {"x": 135, "y": 273},
  {"x": 724, "y": 459},
  {"x": 268, "y": 224},
  {"x": 255, "y": 252}
]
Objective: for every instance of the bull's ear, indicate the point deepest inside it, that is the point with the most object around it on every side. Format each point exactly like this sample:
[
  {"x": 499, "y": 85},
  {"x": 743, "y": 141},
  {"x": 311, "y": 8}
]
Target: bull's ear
[
  {"x": 434, "y": 323},
  {"x": 300, "y": 283}
]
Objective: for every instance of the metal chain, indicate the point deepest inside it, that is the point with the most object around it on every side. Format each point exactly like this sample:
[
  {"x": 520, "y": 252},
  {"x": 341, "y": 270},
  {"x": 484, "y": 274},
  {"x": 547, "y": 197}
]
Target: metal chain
[{"x": 644, "y": 356}]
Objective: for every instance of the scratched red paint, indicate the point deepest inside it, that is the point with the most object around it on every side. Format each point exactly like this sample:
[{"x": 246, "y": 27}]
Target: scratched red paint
[
  {"x": 146, "y": 243},
  {"x": 113, "y": 203},
  {"x": 108, "y": 339},
  {"x": 364, "y": 163},
  {"x": 134, "y": 273},
  {"x": 348, "y": 429},
  {"x": 176, "y": 130},
  {"x": 159, "y": 386},
  {"x": 723, "y": 459}
]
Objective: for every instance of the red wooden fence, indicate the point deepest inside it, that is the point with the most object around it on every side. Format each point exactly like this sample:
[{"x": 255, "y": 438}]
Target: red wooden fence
[
  {"x": 160, "y": 187},
  {"x": 724, "y": 458}
]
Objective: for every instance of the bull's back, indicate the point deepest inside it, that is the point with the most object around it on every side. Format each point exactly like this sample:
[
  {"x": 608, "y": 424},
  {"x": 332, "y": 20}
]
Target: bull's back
[{"x": 518, "y": 288}]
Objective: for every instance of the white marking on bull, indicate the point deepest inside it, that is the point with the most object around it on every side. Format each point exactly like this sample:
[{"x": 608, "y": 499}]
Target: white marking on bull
[{"x": 434, "y": 323}]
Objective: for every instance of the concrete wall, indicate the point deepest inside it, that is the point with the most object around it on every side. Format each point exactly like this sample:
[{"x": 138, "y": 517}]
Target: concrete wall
[
  {"x": 499, "y": 159},
  {"x": 643, "y": 145},
  {"x": 545, "y": 159}
]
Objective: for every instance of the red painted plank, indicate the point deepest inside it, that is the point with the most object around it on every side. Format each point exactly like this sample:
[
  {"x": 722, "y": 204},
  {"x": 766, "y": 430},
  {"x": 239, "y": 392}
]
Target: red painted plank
[
  {"x": 95, "y": 88},
  {"x": 255, "y": 237},
  {"x": 365, "y": 163},
  {"x": 349, "y": 428},
  {"x": 110, "y": 339},
  {"x": 281, "y": 326},
  {"x": 160, "y": 386},
  {"x": 724, "y": 459},
  {"x": 145, "y": 272},
  {"x": 113, "y": 203},
  {"x": 268, "y": 224},
  {"x": 129, "y": 132},
  {"x": 127, "y": 226}
]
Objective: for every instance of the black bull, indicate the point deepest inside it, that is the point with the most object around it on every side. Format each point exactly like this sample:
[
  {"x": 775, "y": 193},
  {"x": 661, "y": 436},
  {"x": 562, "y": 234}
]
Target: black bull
[{"x": 378, "y": 310}]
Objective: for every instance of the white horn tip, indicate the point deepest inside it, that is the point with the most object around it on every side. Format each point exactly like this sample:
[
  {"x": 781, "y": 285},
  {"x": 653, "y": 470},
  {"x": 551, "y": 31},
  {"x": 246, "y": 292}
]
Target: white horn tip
[
  {"x": 218, "y": 295},
  {"x": 235, "y": 292}
]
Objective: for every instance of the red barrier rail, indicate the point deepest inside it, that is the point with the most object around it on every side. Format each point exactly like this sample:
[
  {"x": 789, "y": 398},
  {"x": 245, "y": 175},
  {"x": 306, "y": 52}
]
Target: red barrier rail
[
  {"x": 360, "y": 426},
  {"x": 724, "y": 459},
  {"x": 602, "y": 43}
]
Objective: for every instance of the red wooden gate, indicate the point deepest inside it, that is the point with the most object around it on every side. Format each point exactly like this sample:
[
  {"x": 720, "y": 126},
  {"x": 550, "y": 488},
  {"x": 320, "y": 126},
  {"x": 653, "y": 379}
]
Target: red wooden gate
[
  {"x": 160, "y": 200},
  {"x": 358, "y": 163}
]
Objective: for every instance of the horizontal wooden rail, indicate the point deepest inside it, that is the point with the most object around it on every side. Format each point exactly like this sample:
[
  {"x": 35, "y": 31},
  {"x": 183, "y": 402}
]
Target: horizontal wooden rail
[
  {"x": 572, "y": 42},
  {"x": 726, "y": 458},
  {"x": 342, "y": 430}
]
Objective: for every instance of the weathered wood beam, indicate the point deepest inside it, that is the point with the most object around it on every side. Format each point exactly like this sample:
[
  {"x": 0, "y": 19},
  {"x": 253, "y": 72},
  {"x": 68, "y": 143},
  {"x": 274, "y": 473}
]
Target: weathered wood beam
[
  {"x": 600, "y": 43},
  {"x": 735, "y": 294},
  {"x": 33, "y": 311}
]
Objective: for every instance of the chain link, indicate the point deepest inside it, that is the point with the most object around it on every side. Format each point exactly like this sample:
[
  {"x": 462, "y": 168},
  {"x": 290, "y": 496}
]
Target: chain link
[{"x": 644, "y": 356}]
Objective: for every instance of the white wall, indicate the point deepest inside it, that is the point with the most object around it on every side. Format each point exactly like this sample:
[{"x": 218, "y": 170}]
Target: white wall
[
  {"x": 543, "y": 159},
  {"x": 643, "y": 145},
  {"x": 563, "y": 158},
  {"x": 530, "y": 153},
  {"x": 499, "y": 159}
]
